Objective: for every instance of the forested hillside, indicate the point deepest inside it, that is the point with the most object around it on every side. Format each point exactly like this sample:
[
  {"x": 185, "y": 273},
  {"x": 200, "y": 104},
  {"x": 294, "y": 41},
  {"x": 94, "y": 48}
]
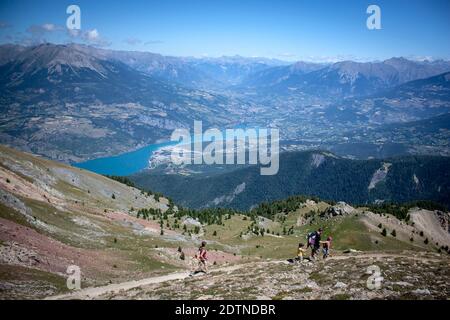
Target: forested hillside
[{"x": 312, "y": 173}]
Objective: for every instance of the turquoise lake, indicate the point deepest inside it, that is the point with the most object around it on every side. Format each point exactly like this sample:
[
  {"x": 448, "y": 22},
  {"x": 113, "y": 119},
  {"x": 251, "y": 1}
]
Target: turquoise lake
[
  {"x": 123, "y": 164},
  {"x": 131, "y": 162}
]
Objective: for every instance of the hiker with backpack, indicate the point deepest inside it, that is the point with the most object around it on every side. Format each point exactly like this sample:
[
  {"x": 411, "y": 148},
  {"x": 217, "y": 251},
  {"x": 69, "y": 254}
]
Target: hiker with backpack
[
  {"x": 202, "y": 258},
  {"x": 326, "y": 246},
  {"x": 314, "y": 242}
]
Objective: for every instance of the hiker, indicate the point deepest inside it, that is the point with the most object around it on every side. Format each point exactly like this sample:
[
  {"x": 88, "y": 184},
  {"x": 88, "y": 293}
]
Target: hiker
[
  {"x": 202, "y": 258},
  {"x": 326, "y": 246},
  {"x": 300, "y": 251},
  {"x": 314, "y": 242}
]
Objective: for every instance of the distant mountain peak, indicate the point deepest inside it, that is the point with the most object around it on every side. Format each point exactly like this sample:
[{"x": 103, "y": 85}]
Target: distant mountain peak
[{"x": 52, "y": 57}]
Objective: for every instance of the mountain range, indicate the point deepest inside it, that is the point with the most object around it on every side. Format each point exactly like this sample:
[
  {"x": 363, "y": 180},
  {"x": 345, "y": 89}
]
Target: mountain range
[
  {"x": 344, "y": 79},
  {"x": 75, "y": 102}
]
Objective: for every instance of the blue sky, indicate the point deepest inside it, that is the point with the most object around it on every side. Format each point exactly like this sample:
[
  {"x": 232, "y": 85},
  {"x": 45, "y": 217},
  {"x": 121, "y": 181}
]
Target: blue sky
[{"x": 289, "y": 30}]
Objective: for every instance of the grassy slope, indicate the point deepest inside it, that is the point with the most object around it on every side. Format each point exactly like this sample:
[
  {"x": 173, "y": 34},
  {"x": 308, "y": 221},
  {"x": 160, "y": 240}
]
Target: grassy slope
[{"x": 76, "y": 217}]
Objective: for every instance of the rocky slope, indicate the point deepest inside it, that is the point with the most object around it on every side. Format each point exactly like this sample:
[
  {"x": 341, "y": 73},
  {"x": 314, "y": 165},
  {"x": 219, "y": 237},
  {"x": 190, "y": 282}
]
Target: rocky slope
[
  {"x": 53, "y": 216},
  {"x": 338, "y": 278}
]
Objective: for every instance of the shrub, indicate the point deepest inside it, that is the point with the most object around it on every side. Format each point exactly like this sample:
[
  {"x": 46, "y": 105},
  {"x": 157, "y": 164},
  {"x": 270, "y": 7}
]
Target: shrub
[
  {"x": 380, "y": 226},
  {"x": 394, "y": 233},
  {"x": 384, "y": 232},
  {"x": 215, "y": 233},
  {"x": 113, "y": 196}
]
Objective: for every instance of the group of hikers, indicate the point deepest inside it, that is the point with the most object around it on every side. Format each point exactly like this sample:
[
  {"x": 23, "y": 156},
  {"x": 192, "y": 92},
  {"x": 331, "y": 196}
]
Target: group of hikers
[{"x": 314, "y": 241}]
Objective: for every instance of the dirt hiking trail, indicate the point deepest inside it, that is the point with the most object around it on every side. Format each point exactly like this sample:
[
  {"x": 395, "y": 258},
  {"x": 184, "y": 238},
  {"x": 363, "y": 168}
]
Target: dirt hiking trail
[{"x": 94, "y": 292}]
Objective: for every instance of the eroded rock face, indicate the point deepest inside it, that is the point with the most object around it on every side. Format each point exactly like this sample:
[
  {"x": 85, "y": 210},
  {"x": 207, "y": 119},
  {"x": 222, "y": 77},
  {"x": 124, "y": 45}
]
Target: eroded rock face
[
  {"x": 444, "y": 219},
  {"x": 317, "y": 159},
  {"x": 435, "y": 224},
  {"x": 379, "y": 175},
  {"x": 340, "y": 209}
]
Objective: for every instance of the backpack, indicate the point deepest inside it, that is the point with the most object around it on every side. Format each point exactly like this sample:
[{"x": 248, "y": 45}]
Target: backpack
[
  {"x": 311, "y": 238},
  {"x": 202, "y": 254}
]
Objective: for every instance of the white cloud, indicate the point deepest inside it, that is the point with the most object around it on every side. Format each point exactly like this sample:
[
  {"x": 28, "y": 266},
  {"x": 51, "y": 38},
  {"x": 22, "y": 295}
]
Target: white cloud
[
  {"x": 150, "y": 42},
  {"x": 4, "y": 25},
  {"x": 133, "y": 41},
  {"x": 92, "y": 35},
  {"x": 89, "y": 36},
  {"x": 333, "y": 59},
  {"x": 39, "y": 30},
  {"x": 422, "y": 58},
  {"x": 49, "y": 27},
  {"x": 287, "y": 55}
]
